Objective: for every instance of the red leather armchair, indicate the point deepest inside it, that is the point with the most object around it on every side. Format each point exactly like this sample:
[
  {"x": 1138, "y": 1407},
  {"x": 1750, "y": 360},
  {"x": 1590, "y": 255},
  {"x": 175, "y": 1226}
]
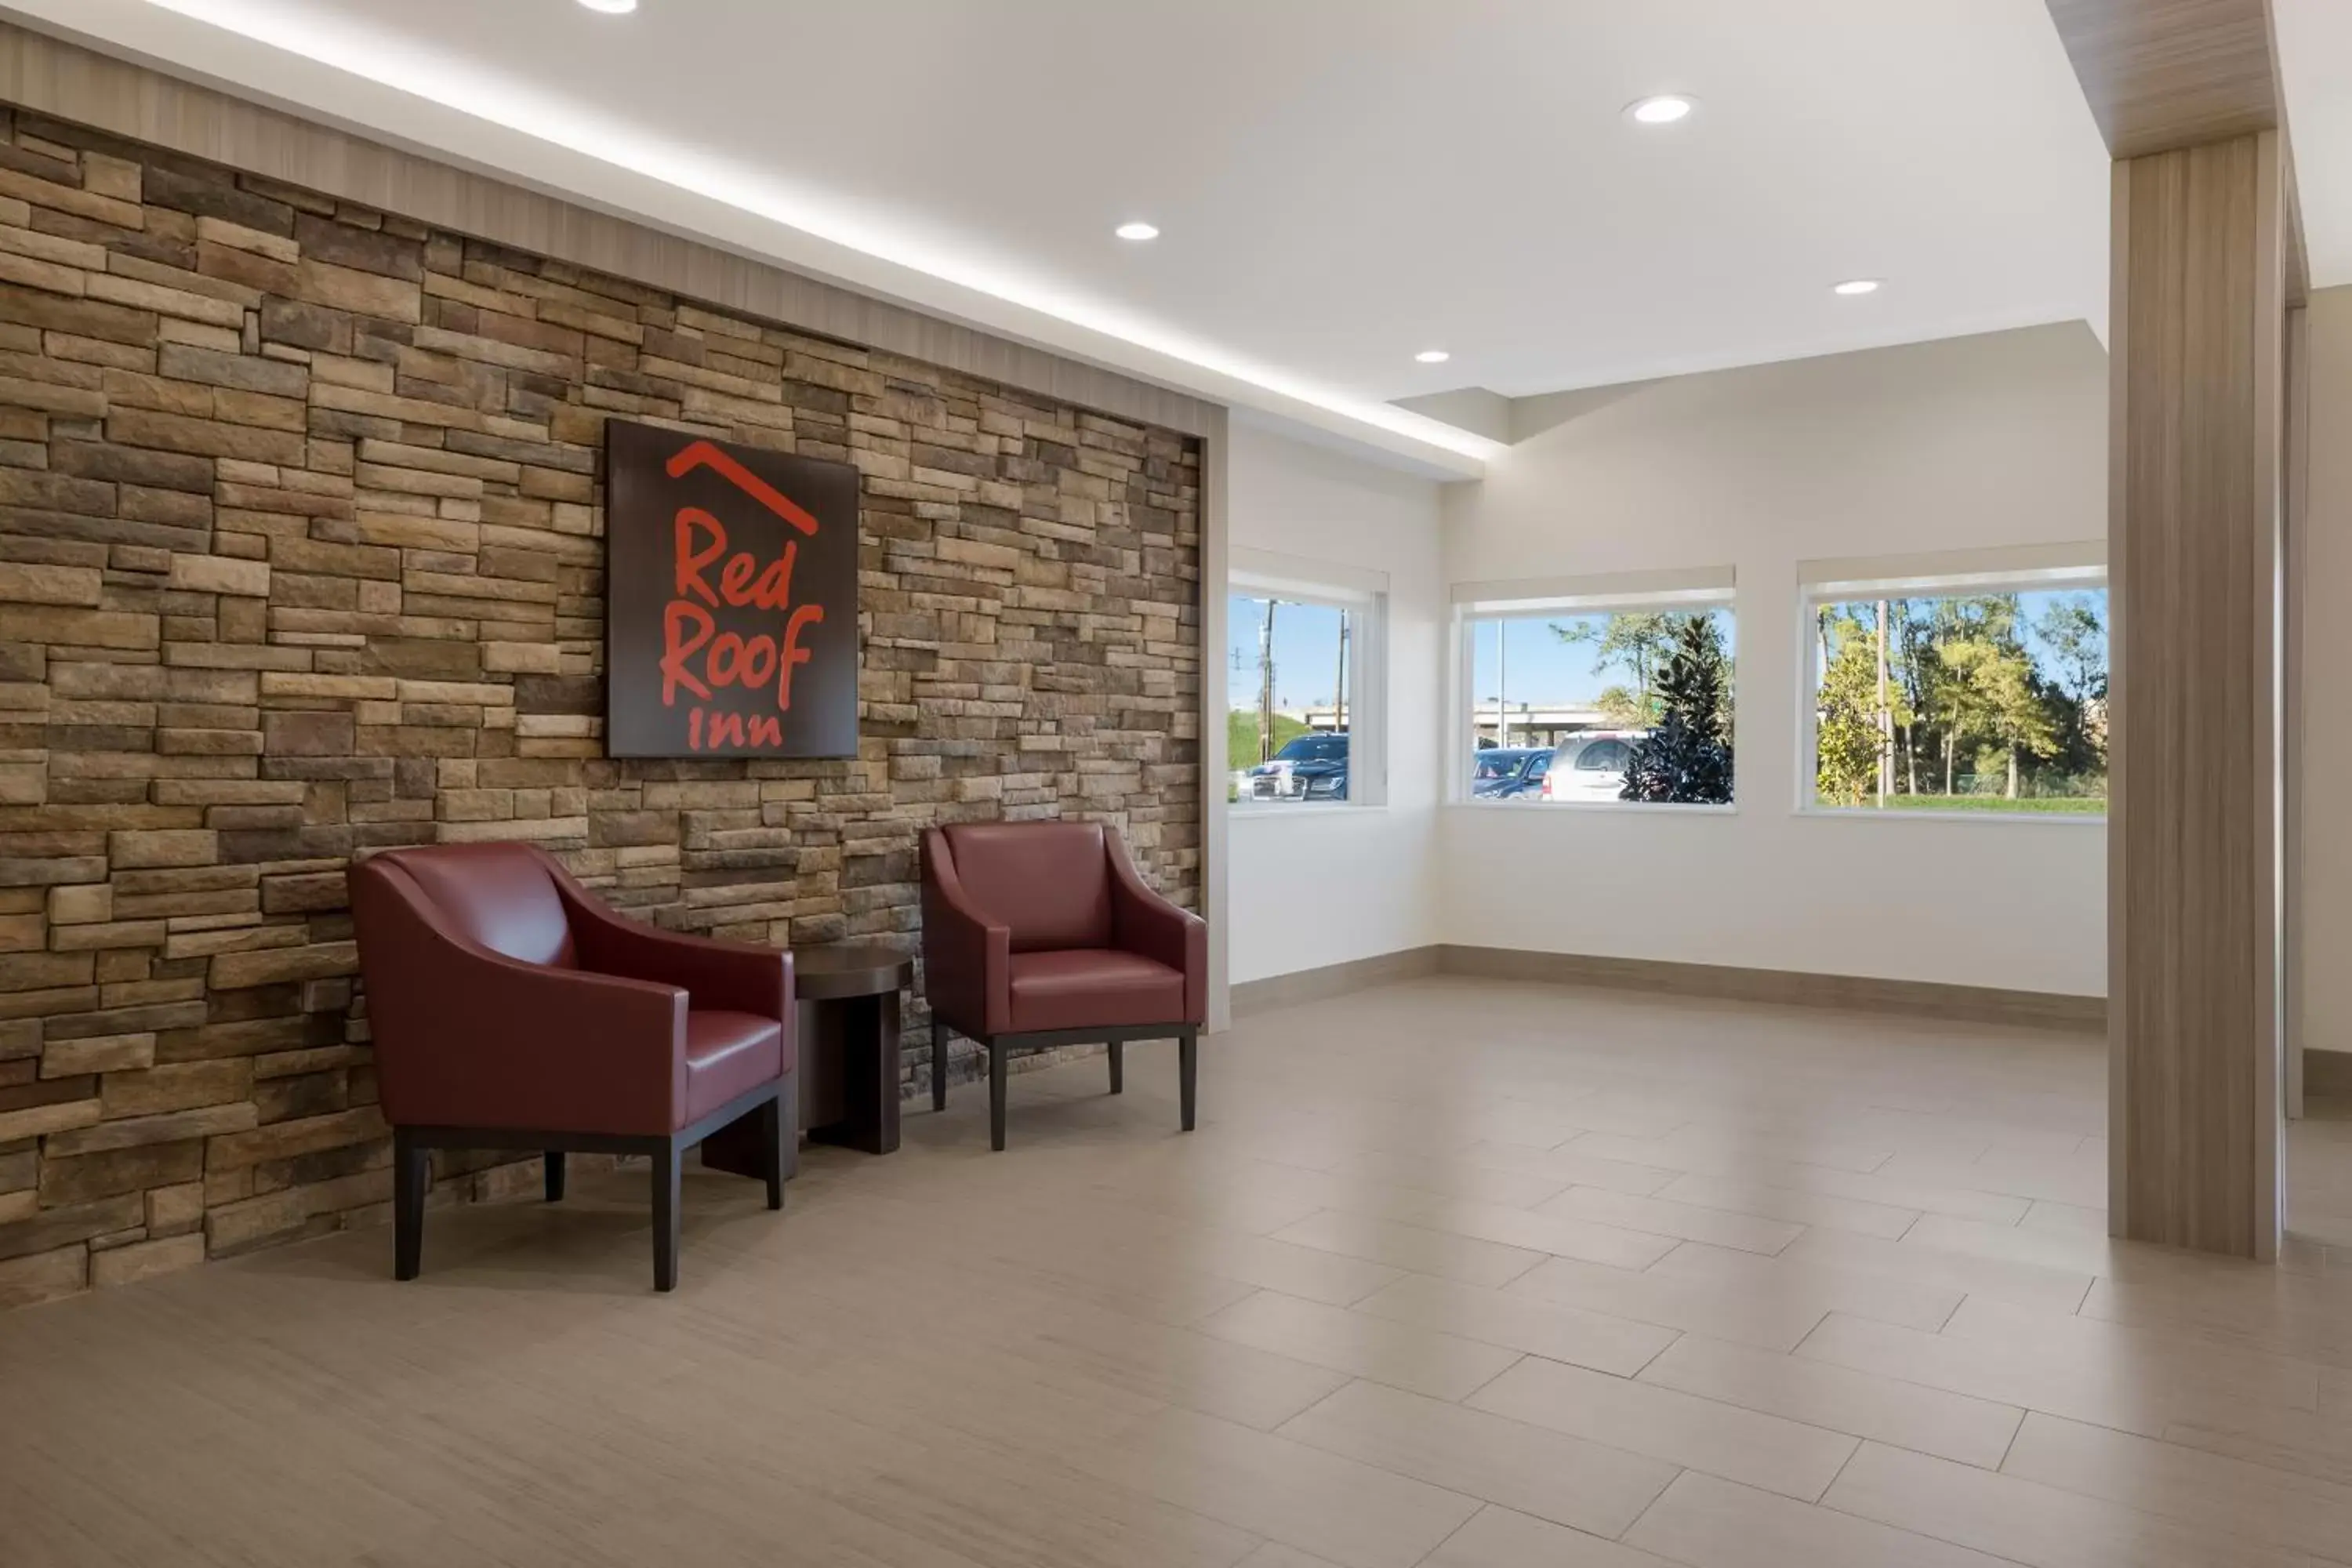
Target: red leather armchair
[
  {"x": 510, "y": 1010},
  {"x": 1041, "y": 933}
]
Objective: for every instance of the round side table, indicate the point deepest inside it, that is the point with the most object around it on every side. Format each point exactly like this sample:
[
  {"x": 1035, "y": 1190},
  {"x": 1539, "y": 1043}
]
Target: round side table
[
  {"x": 847, "y": 1033},
  {"x": 849, "y": 1041}
]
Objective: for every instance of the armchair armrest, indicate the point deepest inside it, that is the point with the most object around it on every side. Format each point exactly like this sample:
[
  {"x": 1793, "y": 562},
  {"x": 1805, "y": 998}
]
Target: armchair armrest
[
  {"x": 468, "y": 1037},
  {"x": 1144, "y": 922},
  {"x": 737, "y": 976},
  {"x": 967, "y": 958}
]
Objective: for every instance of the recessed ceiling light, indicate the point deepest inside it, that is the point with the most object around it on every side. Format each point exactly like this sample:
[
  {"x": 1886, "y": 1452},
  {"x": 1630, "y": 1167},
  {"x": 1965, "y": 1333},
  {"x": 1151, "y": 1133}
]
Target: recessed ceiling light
[
  {"x": 611, "y": 7},
  {"x": 1137, "y": 231},
  {"x": 1662, "y": 109},
  {"x": 1857, "y": 285},
  {"x": 1433, "y": 356}
]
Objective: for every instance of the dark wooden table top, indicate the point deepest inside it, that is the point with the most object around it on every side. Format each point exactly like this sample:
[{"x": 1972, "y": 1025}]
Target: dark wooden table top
[{"x": 840, "y": 969}]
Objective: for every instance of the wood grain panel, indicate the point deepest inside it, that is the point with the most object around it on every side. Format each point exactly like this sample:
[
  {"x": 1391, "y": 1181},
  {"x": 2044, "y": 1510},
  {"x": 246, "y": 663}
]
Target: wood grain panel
[
  {"x": 1216, "y": 548},
  {"x": 2161, "y": 74},
  {"x": 2296, "y": 485},
  {"x": 2194, "y": 557},
  {"x": 56, "y": 78},
  {"x": 2164, "y": 73}
]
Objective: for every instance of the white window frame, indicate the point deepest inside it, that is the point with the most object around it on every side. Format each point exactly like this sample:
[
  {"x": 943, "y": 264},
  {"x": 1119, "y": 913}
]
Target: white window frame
[
  {"x": 2017, "y": 569},
  {"x": 1539, "y": 598},
  {"x": 1364, "y": 595}
]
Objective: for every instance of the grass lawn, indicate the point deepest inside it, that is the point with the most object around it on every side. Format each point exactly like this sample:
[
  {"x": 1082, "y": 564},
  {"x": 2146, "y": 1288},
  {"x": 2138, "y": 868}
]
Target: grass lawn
[
  {"x": 1241, "y": 735},
  {"x": 2060, "y": 806}
]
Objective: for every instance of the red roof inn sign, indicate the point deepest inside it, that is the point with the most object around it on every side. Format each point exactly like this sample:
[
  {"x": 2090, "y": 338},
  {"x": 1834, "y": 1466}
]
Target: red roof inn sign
[{"x": 730, "y": 599}]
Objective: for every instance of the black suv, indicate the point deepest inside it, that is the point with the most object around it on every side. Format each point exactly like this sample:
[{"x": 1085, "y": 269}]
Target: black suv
[{"x": 1309, "y": 767}]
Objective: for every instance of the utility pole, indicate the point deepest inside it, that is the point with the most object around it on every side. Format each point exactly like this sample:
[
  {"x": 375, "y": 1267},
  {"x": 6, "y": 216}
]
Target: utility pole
[
  {"x": 1340, "y": 687},
  {"x": 1265, "y": 685},
  {"x": 1885, "y": 717}
]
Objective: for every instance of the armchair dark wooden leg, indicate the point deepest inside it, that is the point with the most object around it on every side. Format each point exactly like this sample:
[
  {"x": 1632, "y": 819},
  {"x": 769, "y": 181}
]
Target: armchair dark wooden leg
[
  {"x": 667, "y": 1161},
  {"x": 772, "y": 1150},
  {"x": 1188, "y": 1071},
  {"x": 411, "y": 1176},
  {"x": 997, "y": 1058},
  {"x": 1118, "y": 1066},
  {"x": 555, "y": 1175},
  {"x": 941, "y": 1039}
]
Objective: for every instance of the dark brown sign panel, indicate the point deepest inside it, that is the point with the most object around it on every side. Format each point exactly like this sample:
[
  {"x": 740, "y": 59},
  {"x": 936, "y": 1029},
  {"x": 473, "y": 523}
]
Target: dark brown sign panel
[{"x": 730, "y": 599}]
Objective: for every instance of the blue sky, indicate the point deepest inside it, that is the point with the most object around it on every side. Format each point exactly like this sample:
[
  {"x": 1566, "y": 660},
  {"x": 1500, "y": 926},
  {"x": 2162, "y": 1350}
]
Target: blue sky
[
  {"x": 1542, "y": 669},
  {"x": 1306, "y": 653}
]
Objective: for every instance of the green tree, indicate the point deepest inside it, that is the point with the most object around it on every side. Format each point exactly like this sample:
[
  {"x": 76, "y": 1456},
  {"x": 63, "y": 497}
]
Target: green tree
[
  {"x": 1911, "y": 660},
  {"x": 1847, "y": 741},
  {"x": 1975, "y": 686},
  {"x": 1962, "y": 640},
  {"x": 1623, "y": 710},
  {"x": 2078, "y": 640},
  {"x": 1638, "y": 642},
  {"x": 2075, "y": 636},
  {"x": 1687, "y": 759},
  {"x": 1992, "y": 699}
]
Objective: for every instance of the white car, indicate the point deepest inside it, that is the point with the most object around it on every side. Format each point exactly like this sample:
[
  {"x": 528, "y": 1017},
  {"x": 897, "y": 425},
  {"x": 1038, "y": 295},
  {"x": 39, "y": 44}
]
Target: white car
[{"x": 1590, "y": 766}]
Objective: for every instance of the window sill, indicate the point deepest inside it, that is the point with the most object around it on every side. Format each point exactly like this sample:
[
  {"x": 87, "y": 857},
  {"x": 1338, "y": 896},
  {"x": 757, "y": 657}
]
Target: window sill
[
  {"x": 1258, "y": 808},
  {"x": 1872, "y": 813},
  {"x": 1591, "y": 807}
]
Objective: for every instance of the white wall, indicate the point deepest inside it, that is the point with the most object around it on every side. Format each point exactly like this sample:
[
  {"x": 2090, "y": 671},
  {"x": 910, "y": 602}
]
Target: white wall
[
  {"x": 1986, "y": 441},
  {"x": 2327, "y": 705},
  {"x": 1311, "y": 885}
]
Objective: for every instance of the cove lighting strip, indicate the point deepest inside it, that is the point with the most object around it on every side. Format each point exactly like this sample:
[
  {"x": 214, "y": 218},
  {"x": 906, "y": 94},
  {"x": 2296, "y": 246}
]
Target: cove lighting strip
[{"x": 453, "y": 85}]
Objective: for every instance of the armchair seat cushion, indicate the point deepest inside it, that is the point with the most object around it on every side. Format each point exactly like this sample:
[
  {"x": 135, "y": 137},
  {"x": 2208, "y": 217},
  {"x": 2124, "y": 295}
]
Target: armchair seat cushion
[
  {"x": 1081, "y": 988},
  {"x": 728, "y": 1054}
]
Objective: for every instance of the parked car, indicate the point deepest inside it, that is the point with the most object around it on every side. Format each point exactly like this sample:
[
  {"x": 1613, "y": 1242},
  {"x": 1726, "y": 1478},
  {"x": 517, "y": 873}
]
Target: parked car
[
  {"x": 1309, "y": 767},
  {"x": 1590, "y": 766},
  {"x": 1504, "y": 772}
]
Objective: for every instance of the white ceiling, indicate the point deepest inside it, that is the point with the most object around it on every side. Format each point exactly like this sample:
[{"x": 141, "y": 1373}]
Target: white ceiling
[
  {"x": 2315, "y": 47},
  {"x": 1340, "y": 182}
]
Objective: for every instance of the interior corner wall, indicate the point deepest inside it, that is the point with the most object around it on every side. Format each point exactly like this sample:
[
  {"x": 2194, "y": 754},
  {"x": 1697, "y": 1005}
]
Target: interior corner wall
[
  {"x": 1314, "y": 885},
  {"x": 2326, "y": 687},
  {"x": 1984, "y": 441}
]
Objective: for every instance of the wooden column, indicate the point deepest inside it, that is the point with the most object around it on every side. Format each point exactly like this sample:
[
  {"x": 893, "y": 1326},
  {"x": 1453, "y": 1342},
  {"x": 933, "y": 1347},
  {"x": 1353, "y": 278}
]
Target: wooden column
[
  {"x": 2196, "y": 558},
  {"x": 2207, "y": 264}
]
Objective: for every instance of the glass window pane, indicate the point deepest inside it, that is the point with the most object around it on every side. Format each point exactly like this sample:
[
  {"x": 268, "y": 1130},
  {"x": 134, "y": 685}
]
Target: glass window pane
[
  {"x": 1979, "y": 702},
  {"x": 1658, "y": 683},
  {"x": 1290, "y": 679}
]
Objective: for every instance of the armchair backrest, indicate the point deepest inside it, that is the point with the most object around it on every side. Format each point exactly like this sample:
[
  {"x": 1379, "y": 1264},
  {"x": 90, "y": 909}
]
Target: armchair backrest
[
  {"x": 1049, "y": 883},
  {"x": 498, "y": 896}
]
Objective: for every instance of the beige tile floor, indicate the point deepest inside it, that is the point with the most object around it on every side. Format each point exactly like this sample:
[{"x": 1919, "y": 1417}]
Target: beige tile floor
[{"x": 1454, "y": 1274}]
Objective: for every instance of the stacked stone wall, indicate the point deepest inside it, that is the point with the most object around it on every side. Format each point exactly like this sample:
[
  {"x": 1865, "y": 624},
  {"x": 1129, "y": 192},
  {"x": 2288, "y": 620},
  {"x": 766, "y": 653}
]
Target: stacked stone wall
[{"x": 301, "y": 557}]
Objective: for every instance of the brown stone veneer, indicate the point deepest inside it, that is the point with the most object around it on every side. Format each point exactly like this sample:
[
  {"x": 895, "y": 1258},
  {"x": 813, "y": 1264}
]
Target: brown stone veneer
[{"x": 299, "y": 557}]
